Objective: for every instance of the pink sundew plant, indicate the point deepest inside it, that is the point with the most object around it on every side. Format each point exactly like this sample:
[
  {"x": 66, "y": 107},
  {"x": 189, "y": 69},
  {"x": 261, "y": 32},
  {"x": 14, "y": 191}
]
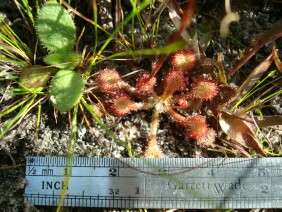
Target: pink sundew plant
[{"x": 182, "y": 88}]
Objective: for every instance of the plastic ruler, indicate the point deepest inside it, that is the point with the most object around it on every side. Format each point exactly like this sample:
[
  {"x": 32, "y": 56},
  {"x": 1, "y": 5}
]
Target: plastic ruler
[{"x": 201, "y": 183}]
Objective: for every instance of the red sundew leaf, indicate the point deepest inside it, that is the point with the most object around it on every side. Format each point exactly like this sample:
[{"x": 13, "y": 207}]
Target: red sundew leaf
[
  {"x": 239, "y": 131},
  {"x": 144, "y": 85},
  {"x": 174, "y": 81},
  {"x": 109, "y": 80},
  {"x": 204, "y": 89},
  {"x": 185, "y": 23},
  {"x": 184, "y": 60},
  {"x": 122, "y": 104},
  {"x": 225, "y": 95}
]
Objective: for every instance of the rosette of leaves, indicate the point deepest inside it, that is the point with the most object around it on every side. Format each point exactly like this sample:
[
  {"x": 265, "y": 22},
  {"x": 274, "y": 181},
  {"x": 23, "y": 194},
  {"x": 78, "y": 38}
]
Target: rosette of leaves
[{"x": 56, "y": 31}]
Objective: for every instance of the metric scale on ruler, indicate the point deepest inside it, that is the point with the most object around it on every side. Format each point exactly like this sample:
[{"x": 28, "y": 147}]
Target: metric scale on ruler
[{"x": 156, "y": 183}]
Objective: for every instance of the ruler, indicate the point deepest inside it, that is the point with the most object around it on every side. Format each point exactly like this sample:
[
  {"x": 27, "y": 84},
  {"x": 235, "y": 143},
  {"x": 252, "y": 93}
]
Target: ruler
[{"x": 202, "y": 183}]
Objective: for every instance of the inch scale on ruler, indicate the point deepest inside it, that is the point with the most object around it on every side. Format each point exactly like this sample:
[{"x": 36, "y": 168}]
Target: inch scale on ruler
[{"x": 156, "y": 183}]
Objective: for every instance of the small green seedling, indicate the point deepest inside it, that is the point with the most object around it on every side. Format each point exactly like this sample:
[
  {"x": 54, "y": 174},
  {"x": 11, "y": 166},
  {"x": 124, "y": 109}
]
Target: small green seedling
[
  {"x": 56, "y": 31},
  {"x": 66, "y": 89},
  {"x": 68, "y": 61},
  {"x": 56, "y": 28}
]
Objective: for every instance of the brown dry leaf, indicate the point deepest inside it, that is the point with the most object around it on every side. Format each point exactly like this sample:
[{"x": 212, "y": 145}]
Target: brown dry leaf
[
  {"x": 186, "y": 17},
  {"x": 253, "y": 77},
  {"x": 238, "y": 147},
  {"x": 258, "y": 42},
  {"x": 239, "y": 131},
  {"x": 36, "y": 76},
  {"x": 276, "y": 59},
  {"x": 270, "y": 35},
  {"x": 270, "y": 121},
  {"x": 176, "y": 20},
  {"x": 221, "y": 71},
  {"x": 182, "y": 21}
]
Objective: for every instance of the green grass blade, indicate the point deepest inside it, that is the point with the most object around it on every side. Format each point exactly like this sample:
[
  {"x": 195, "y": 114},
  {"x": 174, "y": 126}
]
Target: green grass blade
[
  {"x": 10, "y": 35},
  {"x": 138, "y": 16},
  {"x": 164, "y": 50},
  {"x": 155, "y": 30},
  {"x": 253, "y": 77},
  {"x": 262, "y": 101},
  {"x": 69, "y": 156},
  {"x": 11, "y": 43},
  {"x": 39, "y": 109},
  {"x": 6, "y": 112},
  {"x": 133, "y": 4},
  {"x": 11, "y": 122},
  {"x": 258, "y": 87},
  {"x": 95, "y": 17},
  {"x": 141, "y": 7},
  {"x": 19, "y": 62},
  {"x": 26, "y": 8},
  {"x": 12, "y": 52},
  {"x": 107, "y": 130}
]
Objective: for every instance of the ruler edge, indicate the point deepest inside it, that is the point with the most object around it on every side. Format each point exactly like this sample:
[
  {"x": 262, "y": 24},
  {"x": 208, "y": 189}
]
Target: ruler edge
[{"x": 269, "y": 159}]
